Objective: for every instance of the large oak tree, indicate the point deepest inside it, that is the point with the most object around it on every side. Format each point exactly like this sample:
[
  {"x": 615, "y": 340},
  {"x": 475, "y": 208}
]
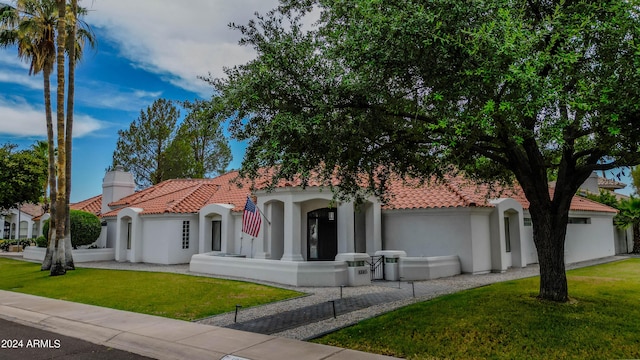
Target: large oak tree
[
  {"x": 497, "y": 90},
  {"x": 22, "y": 175}
]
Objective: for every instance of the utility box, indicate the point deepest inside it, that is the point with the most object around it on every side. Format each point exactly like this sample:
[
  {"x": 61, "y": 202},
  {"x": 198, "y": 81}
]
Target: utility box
[
  {"x": 358, "y": 273},
  {"x": 391, "y": 263}
]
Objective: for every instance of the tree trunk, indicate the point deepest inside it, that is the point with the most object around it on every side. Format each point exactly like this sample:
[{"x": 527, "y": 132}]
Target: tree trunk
[
  {"x": 549, "y": 222},
  {"x": 549, "y": 237},
  {"x": 48, "y": 256},
  {"x": 58, "y": 265},
  {"x": 636, "y": 237},
  {"x": 46, "y": 72},
  {"x": 69, "y": 265}
]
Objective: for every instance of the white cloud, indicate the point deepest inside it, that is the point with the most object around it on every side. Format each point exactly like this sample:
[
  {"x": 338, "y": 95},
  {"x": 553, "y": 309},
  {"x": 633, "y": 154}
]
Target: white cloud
[
  {"x": 102, "y": 95},
  {"x": 21, "y": 78},
  {"x": 21, "y": 119},
  {"x": 176, "y": 39},
  {"x": 11, "y": 59}
]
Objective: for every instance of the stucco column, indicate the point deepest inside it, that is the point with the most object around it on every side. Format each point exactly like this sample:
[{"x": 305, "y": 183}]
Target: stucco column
[
  {"x": 261, "y": 244},
  {"x": 374, "y": 228},
  {"x": 292, "y": 241},
  {"x": 346, "y": 228}
]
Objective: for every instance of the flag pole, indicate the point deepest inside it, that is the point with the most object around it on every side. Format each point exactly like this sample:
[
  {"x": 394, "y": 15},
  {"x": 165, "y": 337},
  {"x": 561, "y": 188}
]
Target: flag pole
[{"x": 260, "y": 211}]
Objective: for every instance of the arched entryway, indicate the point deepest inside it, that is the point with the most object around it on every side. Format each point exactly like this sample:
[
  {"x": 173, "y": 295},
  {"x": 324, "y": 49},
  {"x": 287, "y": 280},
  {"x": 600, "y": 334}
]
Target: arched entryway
[{"x": 322, "y": 234}]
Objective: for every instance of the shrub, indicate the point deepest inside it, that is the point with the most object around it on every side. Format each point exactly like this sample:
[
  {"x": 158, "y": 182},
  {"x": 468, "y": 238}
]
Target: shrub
[
  {"x": 4, "y": 244},
  {"x": 41, "y": 241},
  {"x": 85, "y": 228}
]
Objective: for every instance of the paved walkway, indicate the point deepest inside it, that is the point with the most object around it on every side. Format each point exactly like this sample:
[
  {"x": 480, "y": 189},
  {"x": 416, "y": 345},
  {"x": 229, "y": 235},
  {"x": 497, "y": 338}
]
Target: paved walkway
[
  {"x": 313, "y": 313},
  {"x": 158, "y": 337}
]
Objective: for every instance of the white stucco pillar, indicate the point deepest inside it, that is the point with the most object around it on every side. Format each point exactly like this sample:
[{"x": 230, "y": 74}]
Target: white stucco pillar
[
  {"x": 374, "y": 228},
  {"x": 346, "y": 228},
  {"x": 292, "y": 241},
  {"x": 261, "y": 244}
]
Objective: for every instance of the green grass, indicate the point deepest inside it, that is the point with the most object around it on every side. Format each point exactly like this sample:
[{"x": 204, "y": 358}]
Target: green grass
[
  {"x": 170, "y": 295},
  {"x": 507, "y": 321}
]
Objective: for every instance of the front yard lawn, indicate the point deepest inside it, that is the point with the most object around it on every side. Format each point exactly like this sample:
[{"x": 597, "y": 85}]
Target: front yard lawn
[
  {"x": 507, "y": 321},
  {"x": 175, "y": 296}
]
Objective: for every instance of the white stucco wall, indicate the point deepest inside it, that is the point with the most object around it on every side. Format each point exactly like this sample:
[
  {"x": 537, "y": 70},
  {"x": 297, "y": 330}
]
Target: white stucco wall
[
  {"x": 441, "y": 232},
  {"x": 162, "y": 238},
  {"x": 590, "y": 241},
  {"x": 583, "y": 241},
  {"x": 529, "y": 246},
  {"x": 481, "y": 245}
]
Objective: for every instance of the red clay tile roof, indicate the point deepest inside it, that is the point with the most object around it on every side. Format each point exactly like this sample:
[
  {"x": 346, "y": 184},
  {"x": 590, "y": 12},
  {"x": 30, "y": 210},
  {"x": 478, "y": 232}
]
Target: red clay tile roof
[
  {"x": 610, "y": 184},
  {"x": 92, "y": 205},
  {"x": 35, "y": 210},
  {"x": 185, "y": 196},
  {"x": 458, "y": 192},
  {"x": 191, "y": 195}
]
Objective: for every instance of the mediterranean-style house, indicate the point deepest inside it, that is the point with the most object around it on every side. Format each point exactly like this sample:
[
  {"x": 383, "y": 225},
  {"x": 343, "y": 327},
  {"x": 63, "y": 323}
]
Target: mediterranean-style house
[
  {"x": 308, "y": 238},
  {"x": 21, "y": 223}
]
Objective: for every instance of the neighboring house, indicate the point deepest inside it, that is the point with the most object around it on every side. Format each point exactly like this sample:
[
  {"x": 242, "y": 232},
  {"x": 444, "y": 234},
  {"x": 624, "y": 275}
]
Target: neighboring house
[
  {"x": 623, "y": 238},
  {"x": 21, "y": 223},
  {"x": 308, "y": 238},
  {"x": 92, "y": 205}
]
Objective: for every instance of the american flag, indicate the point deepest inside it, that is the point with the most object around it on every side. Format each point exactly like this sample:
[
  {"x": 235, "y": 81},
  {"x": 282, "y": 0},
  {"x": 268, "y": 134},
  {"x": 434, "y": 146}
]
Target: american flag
[{"x": 251, "y": 219}]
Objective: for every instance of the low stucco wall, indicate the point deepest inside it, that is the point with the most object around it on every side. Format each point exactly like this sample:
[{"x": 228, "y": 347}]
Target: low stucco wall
[
  {"x": 296, "y": 273},
  {"x": 428, "y": 268},
  {"x": 79, "y": 256}
]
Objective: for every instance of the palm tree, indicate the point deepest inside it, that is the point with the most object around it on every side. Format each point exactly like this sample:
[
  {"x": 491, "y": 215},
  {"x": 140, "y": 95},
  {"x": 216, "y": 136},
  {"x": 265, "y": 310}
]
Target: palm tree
[
  {"x": 35, "y": 26},
  {"x": 41, "y": 149},
  {"x": 630, "y": 216}
]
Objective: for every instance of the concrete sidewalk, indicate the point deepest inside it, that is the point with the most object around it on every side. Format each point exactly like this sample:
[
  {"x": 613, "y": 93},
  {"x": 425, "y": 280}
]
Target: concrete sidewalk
[{"x": 159, "y": 337}]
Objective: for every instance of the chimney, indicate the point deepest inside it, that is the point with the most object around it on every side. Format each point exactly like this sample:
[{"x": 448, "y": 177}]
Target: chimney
[
  {"x": 116, "y": 184},
  {"x": 591, "y": 184}
]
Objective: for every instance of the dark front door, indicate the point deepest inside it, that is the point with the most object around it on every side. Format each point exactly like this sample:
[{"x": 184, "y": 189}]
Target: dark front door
[
  {"x": 322, "y": 238},
  {"x": 216, "y": 235}
]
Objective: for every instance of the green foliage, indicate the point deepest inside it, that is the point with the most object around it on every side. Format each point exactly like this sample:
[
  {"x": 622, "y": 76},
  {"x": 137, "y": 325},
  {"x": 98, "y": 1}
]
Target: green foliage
[
  {"x": 155, "y": 148},
  {"x": 22, "y": 175},
  {"x": 202, "y": 131},
  {"x": 497, "y": 90},
  {"x": 4, "y": 244},
  {"x": 420, "y": 86},
  {"x": 635, "y": 175},
  {"x": 629, "y": 216},
  {"x": 41, "y": 241},
  {"x": 140, "y": 291},
  {"x": 85, "y": 228},
  {"x": 605, "y": 197},
  {"x": 507, "y": 321},
  {"x": 140, "y": 149},
  {"x": 629, "y": 212}
]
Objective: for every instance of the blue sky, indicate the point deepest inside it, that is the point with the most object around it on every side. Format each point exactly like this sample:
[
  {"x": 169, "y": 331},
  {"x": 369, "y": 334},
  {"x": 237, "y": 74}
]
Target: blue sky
[{"x": 147, "y": 49}]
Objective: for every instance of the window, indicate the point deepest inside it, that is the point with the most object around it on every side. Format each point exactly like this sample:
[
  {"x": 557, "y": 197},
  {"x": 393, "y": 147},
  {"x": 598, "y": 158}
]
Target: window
[
  {"x": 507, "y": 235},
  {"x": 185, "y": 234},
  {"x": 128, "y": 236},
  {"x": 527, "y": 221},
  {"x": 216, "y": 235},
  {"x": 579, "y": 220},
  {"x": 24, "y": 228}
]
